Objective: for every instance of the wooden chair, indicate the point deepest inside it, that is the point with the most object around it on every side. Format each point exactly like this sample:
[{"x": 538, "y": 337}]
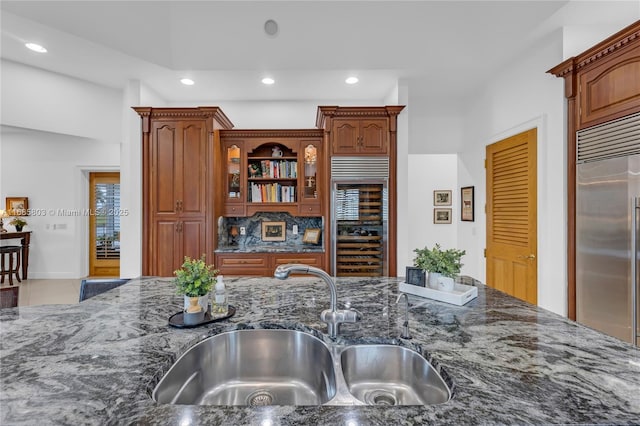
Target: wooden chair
[
  {"x": 6, "y": 257},
  {"x": 94, "y": 287},
  {"x": 9, "y": 297}
]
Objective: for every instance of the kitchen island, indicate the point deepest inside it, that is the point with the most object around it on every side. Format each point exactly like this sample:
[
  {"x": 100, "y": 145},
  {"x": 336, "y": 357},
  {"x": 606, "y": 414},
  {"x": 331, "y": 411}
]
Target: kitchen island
[{"x": 508, "y": 362}]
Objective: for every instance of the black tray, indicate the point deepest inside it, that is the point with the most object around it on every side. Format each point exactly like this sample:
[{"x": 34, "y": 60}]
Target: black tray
[{"x": 177, "y": 320}]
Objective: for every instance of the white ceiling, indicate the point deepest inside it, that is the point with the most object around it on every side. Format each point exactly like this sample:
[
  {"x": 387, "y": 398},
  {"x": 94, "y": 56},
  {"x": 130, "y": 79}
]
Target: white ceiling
[{"x": 439, "y": 48}]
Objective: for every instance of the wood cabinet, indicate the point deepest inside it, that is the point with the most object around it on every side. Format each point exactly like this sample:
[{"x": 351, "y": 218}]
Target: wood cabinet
[
  {"x": 177, "y": 182},
  {"x": 363, "y": 132},
  {"x": 263, "y": 264},
  {"x": 601, "y": 84},
  {"x": 359, "y": 137},
  {"x": 271, "y": 171}
]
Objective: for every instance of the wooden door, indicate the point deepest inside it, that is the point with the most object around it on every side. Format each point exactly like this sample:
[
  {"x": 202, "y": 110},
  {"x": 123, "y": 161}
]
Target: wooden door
[
  {"x": 104, "y": 224},
  {"x": 345, "y": 136},
  {"x": 373, "y": 137},
  {"x": 512, "y": 216}
]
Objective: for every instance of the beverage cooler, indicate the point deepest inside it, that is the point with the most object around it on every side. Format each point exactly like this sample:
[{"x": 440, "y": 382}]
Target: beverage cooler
[{"x": 360, "y": 229}]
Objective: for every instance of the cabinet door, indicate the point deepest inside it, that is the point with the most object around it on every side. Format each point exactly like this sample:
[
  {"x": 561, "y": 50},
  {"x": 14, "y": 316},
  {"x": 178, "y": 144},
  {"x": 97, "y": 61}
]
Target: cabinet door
[
  {"x": 164, "y": 248},
  {"x": 311, "y": 174},
  {"x": 345, "y": 136},
  {"x": 233, "y": 173},
  {"x": 192, "y": 166},
  {"x": 374, "y": 137},
  {"x": 165, "y": 168},
  {"x": 192, "y": 238}
]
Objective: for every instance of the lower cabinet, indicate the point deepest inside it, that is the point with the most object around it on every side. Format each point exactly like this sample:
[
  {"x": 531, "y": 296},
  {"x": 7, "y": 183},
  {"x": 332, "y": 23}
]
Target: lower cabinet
[{"x": 263, "y": 264}]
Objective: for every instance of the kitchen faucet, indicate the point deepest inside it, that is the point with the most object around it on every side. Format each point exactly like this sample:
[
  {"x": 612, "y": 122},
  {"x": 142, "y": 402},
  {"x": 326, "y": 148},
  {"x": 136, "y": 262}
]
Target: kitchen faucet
[
  {"x": 332, "y": 316},
  {"x": 405, "y": 325}
]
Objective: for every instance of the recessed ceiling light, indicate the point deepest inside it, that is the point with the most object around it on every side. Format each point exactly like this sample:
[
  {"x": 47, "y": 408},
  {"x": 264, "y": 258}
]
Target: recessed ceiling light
[
  {"x": 187, "y": 82},
  {"x": 351, "y": 80},
  {"x": 36, "y": 47},
  {"x": 268, "y": 80},
  {"x": 271, "y": 27}
]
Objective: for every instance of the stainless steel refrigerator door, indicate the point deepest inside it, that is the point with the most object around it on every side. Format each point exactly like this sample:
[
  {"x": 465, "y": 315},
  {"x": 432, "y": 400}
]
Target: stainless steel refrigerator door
[{"x": 605, "y": 196}]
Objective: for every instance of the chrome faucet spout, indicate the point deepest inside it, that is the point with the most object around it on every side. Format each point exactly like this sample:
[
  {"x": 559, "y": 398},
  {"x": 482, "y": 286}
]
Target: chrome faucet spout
[{"x": 333, "y": 317}]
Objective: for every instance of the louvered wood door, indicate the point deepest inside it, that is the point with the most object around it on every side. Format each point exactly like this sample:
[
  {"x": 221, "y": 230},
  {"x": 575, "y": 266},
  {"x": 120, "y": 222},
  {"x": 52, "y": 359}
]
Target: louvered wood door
[{"x": 511, "y": 253}]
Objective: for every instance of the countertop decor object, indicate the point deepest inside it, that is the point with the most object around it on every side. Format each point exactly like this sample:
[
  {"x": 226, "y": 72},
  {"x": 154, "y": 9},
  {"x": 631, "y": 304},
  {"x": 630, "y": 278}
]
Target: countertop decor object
[
  {"x": 460, "y": 295},
  {"x": 438, "y": 263},
  {"x": 177, "y": 320},
  {"x": 506, "y": 361},
  {"x": 194, "y": 280}
]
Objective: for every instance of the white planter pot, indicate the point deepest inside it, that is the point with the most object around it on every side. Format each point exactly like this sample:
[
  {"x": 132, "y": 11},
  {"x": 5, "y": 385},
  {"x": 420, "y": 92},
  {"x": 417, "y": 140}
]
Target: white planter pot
[
  {"x": 445, "y": 284},
  {"x": 433, "y": 279},
  {"x": 203, "y": 301}
]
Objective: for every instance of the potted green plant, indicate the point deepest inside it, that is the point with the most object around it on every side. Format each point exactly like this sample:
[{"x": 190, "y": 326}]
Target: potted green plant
[
  {"x": 18, "y": 223},
  {"x": 194, "y": 280},
  {"x": 442, "y": 265}
]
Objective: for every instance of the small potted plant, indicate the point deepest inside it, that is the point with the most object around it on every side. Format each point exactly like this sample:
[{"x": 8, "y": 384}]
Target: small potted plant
[
  {"x": 194, "y": 280},
  {"x": 18, "y": 223},
  {"x": 442, "y": 265}
]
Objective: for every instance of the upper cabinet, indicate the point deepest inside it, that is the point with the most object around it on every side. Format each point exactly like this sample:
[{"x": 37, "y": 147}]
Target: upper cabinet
[
  {"x": 272, "y": 171},
  {"x": 359, "y": 130},
  {"x": 355, "y": 136},
  {"x": 177, "y": 183}
]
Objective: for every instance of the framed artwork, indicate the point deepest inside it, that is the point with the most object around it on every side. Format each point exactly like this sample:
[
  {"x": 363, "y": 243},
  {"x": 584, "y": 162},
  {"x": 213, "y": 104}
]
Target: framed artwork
[
  {"x": 441, "y": 215},
  {"x": 311, "y": 235},
  {"x": 441, "y": 198},
  {"x": 274, "y": 231},
  {"x": 17, "y": 206},
  {"x": 415, "y": 276},
  {"x": 467, "y": 204}
]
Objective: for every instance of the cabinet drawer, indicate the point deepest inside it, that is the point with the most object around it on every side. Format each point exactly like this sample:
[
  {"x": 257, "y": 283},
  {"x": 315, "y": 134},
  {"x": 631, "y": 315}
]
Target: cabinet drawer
[
  {"x": 307, "y": 259},
  {"x": 231, "y": 210},
  {"x": 242, "y": 264},
  {"x": 309, "y": 210}
]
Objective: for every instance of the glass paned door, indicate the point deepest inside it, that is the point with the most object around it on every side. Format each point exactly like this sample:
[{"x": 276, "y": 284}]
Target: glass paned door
[{"x": 104, "y": 224}]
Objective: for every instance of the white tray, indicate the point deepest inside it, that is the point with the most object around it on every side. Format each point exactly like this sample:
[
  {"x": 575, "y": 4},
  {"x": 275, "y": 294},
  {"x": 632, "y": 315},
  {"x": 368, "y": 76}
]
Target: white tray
[{"x": 460, "y": 295}]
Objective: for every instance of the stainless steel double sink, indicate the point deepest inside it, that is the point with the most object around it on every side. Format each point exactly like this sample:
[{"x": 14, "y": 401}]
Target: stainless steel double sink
[{"x": 289, "y": 367}]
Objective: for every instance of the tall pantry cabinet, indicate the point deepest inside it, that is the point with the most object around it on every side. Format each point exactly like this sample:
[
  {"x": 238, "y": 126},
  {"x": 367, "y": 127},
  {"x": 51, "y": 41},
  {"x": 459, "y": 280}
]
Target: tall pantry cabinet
[{"x": 177, "y": 185}]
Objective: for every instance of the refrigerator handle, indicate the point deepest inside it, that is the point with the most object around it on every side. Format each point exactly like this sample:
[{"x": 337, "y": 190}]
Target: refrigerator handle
[{"x": 634, "y": 270}]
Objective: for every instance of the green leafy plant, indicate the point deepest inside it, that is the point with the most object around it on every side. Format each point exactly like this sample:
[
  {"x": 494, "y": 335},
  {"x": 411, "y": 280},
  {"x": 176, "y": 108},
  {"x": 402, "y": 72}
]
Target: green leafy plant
[
  {"x": 445, "y": 262},
  {"x": 16, "y": 221},
  {"x": 195, "y": 278}
]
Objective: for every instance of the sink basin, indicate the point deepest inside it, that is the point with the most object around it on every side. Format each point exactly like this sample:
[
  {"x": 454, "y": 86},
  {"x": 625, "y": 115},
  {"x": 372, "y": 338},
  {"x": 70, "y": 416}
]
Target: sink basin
[
  {"x": 391, "y": 375},
  {"x": 251, "y": 367}
]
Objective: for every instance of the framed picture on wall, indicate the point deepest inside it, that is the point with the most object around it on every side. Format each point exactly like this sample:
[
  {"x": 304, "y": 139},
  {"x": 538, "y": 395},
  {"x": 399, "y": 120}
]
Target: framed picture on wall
[
  {"x": 17, "y": 206},
  {"x": 467, "y": 204},
  {"x": 273, "y": 231},
  {"x": 441, "y": 215},
  {"x": 441, "y": 198}
]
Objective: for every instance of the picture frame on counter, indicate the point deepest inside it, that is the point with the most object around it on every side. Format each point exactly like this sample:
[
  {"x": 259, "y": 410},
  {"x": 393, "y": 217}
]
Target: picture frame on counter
[
  {"x": 274, "y": 231},
  {"x": 442, "y": 198},
  {"x": 441, "y": 216},
  {"x": 415, "y": 276},
  {"x": 467, "y": 204},
  {"x": 311, "y": 236}
]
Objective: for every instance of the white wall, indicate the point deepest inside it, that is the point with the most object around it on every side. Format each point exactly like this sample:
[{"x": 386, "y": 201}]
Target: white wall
[
  {"x": 427, "y": 173},
  {"x": 54, "y": 130},
  {"x": 50, "y": 169}
]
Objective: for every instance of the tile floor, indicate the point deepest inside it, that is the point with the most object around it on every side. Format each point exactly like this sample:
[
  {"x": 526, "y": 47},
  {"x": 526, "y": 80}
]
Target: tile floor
[{"x": 47, "y": 292}]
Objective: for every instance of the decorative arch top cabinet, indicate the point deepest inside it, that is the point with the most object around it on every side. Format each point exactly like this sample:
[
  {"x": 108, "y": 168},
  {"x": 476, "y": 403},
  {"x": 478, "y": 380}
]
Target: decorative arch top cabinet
[
  {"x": 271, "y": 171},
  {"x": 177, "y": 185},
  {"x": 601, "y": 84}
]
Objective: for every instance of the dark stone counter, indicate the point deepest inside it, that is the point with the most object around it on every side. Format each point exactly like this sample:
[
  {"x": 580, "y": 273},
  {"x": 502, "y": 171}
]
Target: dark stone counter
[{"x": 510, "y": 363}]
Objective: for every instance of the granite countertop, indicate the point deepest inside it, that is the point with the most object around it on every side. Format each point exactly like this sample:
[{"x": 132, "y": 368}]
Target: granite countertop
[
  {"x": 97, "y": 362},
  {"x": 268, "y": 249}
]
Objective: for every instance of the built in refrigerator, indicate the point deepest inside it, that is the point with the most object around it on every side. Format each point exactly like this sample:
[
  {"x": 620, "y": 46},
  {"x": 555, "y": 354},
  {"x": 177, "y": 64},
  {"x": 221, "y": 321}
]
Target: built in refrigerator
[{"x": 608, "y": 228}]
